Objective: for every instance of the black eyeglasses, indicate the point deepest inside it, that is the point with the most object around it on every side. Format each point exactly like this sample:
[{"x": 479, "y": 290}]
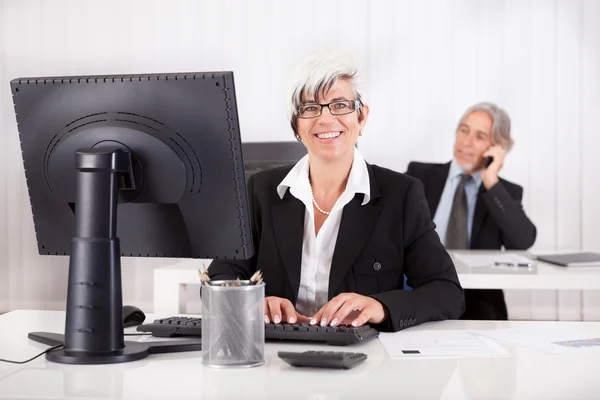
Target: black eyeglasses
[{"x": 340, "y": 107}]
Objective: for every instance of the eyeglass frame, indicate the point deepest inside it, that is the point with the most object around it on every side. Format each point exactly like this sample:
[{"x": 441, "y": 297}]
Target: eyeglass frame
[{"x": 355, "y": 103}]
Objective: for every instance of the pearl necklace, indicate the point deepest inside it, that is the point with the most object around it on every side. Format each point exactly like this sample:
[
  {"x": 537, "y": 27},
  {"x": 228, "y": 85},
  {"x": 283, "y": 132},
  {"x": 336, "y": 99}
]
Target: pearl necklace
[{"x": 315, "y": 202}]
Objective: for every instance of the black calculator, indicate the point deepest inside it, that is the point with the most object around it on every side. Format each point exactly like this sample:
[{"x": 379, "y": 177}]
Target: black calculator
[{"x": 323, "y": 359}]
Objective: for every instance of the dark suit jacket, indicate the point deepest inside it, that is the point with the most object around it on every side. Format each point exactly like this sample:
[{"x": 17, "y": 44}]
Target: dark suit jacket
[
  {"x": 377, "y": 244},
  {"x": 499, "y": 218}
]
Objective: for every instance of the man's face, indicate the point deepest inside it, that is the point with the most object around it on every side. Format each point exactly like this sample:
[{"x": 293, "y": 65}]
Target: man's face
[
  {"x": 331, "y": 137},
  {"x": 473, "y": 138}
]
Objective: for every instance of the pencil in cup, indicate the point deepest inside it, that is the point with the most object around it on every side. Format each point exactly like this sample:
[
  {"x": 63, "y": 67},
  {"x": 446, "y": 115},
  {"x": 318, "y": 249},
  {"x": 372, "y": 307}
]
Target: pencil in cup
[{"x": 233, "y": 323}]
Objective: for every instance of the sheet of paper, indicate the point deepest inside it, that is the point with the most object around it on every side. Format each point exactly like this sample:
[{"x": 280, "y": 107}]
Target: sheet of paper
[
  {"x": 548, "y": 340},
  {"x": 439, "y": 344},
  {"x": 488, "y": 260}
]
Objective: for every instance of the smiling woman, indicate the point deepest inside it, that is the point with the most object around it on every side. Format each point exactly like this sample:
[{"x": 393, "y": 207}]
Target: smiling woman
[
  {"x": 334, "y": 235},
  {"x": 328, "y": 116}
]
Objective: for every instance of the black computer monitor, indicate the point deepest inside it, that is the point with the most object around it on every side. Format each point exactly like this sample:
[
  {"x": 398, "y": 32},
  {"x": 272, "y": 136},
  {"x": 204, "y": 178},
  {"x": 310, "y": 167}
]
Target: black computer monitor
[{"x": 132, "y": 165}]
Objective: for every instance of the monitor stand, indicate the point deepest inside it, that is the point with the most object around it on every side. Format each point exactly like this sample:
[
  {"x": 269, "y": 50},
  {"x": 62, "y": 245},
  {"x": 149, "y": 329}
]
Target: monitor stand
[
  {"x": 94, "y": 312},
  {"x": 131, "y": 352}
]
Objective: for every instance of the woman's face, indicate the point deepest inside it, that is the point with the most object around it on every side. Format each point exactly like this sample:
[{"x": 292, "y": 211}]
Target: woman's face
[{"x": 332, "y": 137}]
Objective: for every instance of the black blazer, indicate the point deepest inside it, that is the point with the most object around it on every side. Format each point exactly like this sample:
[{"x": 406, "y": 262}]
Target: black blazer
[
  {"x": 499, "y": 219},
  {"x": 391, "y": 236}
]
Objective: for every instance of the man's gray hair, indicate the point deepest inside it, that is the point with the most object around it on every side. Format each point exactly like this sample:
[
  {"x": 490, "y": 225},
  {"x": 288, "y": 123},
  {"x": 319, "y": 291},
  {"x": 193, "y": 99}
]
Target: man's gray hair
[
  {"x": 315, "y": 75},
  {"x": 500, "y": 123}
]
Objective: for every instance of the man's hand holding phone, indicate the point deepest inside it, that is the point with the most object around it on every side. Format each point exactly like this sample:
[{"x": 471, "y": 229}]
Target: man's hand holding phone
[{"x": 489, "y": 175}]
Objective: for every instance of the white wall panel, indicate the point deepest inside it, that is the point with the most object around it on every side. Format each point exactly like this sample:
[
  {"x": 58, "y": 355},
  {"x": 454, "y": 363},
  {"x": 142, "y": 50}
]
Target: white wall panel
[
  {"x": 541, "y": 137},
  {"x": 590, "y": 168},
  {"x": 388, "y": 56},
  {"x": 5, "y": 126}
]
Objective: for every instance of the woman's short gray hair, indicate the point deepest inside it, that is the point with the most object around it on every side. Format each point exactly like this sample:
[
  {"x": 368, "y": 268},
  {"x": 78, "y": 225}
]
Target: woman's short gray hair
[
  {"x": 500, "y": 123},
  {"x": 315, "y": 75}
]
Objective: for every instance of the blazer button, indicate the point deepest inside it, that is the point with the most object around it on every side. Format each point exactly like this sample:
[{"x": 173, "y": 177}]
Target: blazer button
[{"x": 377, "y": 266}]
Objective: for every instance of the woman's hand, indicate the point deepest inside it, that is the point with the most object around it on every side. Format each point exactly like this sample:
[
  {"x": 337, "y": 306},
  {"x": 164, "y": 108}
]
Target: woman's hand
[
  {"x": 350, "y": 309},
  {"x": 278, "y": 309}
]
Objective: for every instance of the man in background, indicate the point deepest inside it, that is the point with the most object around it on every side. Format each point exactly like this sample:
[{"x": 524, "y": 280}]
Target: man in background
[{"x": 472, "y": 207}]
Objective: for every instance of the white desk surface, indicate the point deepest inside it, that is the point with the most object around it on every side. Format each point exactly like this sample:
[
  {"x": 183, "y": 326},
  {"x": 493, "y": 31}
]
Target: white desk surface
[{"x": 526, "y": 374}]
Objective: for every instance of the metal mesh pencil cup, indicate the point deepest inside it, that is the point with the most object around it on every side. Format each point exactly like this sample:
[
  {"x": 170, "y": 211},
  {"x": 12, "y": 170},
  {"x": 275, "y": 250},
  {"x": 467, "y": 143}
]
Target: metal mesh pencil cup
[{"x": 233, "y": 327}]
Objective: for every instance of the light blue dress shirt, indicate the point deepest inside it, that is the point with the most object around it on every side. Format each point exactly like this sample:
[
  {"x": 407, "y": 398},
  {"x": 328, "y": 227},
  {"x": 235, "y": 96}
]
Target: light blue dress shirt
[{"x": 442, "y": 214}]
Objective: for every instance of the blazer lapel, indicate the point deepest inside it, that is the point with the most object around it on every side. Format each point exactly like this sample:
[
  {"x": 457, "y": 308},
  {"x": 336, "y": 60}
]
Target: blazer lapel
[
  {"x": 356, "y": 227},
  {"x": 479, "y": 216},
  {"x": 288, "y": 225},
  {"x": 435, "y": 187}
]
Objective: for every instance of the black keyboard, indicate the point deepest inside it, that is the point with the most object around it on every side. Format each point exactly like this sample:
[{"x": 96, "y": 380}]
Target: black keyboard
[{"x": 339, "y": 335}]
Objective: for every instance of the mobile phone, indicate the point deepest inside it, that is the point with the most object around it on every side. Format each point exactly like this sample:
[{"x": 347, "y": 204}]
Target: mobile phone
[{"x": 488, "y": 161}]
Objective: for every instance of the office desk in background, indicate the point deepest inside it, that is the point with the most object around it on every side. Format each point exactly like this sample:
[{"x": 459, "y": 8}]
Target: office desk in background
[
  {"x": 170, "y": 281},
  {"x": 547, "y": 276},
  {"x": 526, "y": 374}
]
